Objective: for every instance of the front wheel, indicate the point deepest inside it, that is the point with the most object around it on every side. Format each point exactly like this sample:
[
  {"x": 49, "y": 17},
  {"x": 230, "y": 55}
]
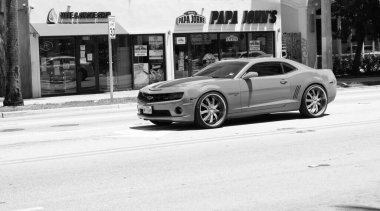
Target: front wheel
[
  {"x": 211, "y": 110},
  {"x": 314, "y": 101},
  {"x": 161, "y": 123}
]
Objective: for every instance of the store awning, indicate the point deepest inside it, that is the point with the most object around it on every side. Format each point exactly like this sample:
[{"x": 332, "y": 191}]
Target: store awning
[{"x": 45, "y": 30}]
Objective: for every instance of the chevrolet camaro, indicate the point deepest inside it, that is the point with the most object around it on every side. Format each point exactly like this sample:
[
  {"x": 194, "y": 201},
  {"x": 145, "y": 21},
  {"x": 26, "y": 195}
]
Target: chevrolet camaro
[{"x": 238, "y": 88}]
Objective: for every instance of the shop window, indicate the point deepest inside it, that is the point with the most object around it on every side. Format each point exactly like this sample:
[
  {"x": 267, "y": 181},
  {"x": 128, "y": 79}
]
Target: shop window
[
  {"x": 57, "y": 66},
  {"x": 121, "y": 54},
  {"x": 181, "y": 56},
  {"x": 123, "y": 63},
  {"x": 193, "y": 52},
  {"x": 204, "y": 50},
  {"x": 148, "y": 60},
  {"x": 260, "y": 44},
  {"x": 232, "y": 45}
]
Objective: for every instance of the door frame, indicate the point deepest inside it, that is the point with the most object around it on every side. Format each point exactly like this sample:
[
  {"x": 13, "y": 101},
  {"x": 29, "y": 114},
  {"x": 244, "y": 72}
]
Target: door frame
[{"x": 95, "y": 62}]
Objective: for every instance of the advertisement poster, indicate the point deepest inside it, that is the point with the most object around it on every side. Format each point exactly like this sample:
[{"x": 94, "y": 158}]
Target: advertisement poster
[
  {"x": 83, "y": 60},
  {"x": 156, "y": 73},
  {"x": 141, "y": 50},
  {"x": 156, "y": 42},
  {"x": 200, "y": 39},
  {"x": 141, "y": 75},
  {"x": 156, "y": 54},
  {"x": 156, "y": 47},
  {"x": 254, "y": 45},
  {"x": 89, "y": 57},
  {"x": 181, "y": 61}
]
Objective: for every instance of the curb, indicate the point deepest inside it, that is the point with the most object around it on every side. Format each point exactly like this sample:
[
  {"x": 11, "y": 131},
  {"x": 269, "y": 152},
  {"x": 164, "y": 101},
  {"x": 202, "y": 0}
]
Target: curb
[{"x": 126, "y": 107}]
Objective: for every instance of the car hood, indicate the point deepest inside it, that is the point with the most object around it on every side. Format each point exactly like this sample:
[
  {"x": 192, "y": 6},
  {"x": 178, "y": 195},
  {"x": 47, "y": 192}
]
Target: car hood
[{"x": 183, "y": 83}]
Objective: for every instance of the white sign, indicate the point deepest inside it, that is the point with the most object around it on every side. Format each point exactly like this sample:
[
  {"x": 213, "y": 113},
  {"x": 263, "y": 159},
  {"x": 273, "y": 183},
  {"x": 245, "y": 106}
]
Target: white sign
[
  {"x": 111, "y": 27},
  {"x": 181, "y": 40},
  {"x": 191, "y": 17},
  {"x": 254, "y": 45},
  {"x": 141, "y": 50},
  {"x": 232, "y": 38}
]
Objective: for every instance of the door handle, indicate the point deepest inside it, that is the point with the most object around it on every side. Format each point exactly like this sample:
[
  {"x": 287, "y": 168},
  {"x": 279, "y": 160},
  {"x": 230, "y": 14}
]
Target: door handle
[{"x": 283, "y": 81}]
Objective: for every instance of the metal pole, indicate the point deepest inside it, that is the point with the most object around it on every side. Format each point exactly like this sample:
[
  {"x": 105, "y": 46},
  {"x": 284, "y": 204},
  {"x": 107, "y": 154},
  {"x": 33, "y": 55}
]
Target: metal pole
[{"x": 110, "y": 66}]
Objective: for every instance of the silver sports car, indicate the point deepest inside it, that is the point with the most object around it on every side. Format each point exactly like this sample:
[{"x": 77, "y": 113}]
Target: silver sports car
[{"x": 238, "y": 88}]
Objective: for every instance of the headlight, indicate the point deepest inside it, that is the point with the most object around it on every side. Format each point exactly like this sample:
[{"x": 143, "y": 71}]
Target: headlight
[
  {"x": 173, "y": 96},
  {"x": 160, "y": 97}
]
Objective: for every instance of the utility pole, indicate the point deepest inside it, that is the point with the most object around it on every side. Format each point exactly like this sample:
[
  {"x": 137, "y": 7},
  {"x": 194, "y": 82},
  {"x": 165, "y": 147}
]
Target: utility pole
[
  {"x": 327, "y": 62},
  {"x": 13, "y": 94}
]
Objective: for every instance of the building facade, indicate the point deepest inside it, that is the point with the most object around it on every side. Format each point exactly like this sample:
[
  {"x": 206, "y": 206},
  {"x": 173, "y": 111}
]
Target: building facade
[{"x": 156, "y": 40}]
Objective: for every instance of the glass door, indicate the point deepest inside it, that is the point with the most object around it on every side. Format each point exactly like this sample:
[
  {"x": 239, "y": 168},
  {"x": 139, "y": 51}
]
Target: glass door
[
  {"x": 87, "y": 78},
  {"x": 182, "y": 57},
  {"x": 103, "y": 64}
]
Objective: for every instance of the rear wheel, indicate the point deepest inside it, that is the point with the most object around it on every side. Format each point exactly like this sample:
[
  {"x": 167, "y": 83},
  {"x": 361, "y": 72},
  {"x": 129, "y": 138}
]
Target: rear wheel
[
  {"x": 161, "y": 123},
  {"x": 211, "y": 110},
  {"x": 314, "y": 101}
]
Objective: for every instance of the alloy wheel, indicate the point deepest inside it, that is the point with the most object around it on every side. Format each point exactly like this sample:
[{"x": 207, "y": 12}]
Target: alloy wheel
[
  {"x": 211, "y": 110},
  {"x": 314, "y": 101}
]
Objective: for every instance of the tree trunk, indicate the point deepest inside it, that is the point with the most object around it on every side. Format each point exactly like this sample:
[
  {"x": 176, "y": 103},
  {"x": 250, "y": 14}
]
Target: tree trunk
[
  {"x": 358, "y": 52},
  {"x": 13, "y": 94},
  {"x": 2, "y": 62},
  {"x": 2, "y": 49}
]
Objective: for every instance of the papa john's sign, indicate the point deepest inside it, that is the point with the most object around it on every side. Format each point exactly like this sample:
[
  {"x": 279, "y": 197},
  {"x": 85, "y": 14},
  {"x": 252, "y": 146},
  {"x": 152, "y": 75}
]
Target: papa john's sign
[{"x": 191, "y": 17}]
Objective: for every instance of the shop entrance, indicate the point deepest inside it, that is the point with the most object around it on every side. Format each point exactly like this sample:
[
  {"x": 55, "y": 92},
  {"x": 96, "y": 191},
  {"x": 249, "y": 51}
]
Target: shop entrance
[
  {"x": 87, "y": 77},
  {"x": 92, "y": 71}
]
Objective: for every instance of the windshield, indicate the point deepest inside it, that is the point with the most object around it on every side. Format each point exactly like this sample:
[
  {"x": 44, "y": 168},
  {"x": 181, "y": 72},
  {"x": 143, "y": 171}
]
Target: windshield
[{"x": 222, "y": 69}]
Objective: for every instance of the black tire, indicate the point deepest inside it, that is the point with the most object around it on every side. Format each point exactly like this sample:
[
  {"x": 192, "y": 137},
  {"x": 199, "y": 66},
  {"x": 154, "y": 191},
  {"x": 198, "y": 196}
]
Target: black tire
[
  {"x": 161, "y": 123},
  {"x": 210, "y": 110},
  {"x": 82, "y": 74},
  {"x": 314, "y": 101}
]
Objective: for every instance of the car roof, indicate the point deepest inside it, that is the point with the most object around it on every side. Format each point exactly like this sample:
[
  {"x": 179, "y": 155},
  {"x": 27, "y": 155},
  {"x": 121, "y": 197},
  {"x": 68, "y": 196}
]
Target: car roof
[{"x": 269, "y": 59}]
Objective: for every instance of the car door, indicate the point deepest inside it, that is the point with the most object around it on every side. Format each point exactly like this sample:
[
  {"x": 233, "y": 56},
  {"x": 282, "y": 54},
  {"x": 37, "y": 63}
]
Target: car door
[{"x": 269, "y": 90}]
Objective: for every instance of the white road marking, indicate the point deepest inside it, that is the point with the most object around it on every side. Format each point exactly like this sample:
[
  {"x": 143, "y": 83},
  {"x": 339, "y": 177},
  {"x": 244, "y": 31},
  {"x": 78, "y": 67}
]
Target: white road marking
[
  {"x": 31, "y": 209},
  {"x": 139, "y": 133}
]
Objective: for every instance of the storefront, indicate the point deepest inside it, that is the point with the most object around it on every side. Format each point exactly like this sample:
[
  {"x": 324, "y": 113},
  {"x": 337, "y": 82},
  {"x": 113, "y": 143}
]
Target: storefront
[
  {"x": 192, "y": 52},
  {"x": 156, "y": 41}
]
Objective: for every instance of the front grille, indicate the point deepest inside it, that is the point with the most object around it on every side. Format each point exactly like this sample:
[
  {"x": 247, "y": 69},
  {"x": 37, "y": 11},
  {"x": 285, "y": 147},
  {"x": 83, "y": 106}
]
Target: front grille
[{"x": 151, "y": 98}]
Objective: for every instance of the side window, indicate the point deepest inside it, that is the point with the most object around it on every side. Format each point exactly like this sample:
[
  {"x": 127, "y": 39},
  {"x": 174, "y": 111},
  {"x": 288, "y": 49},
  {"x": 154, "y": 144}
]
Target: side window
[
  {"x": 288, "y": 68},
  {"x": 266, "y": 69}
]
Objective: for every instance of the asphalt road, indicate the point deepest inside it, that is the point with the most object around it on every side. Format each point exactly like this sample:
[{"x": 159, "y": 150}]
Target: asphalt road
[{"x": 107, "y": 159}]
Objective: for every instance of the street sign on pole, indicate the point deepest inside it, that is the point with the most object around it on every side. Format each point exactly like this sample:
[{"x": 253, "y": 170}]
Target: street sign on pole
[
  {"x": 111, "y": 35},
  {"x": 111, "y": 27}
]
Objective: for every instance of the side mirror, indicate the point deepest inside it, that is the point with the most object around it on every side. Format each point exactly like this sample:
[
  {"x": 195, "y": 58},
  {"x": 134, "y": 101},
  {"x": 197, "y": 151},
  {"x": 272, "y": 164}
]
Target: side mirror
[{"x": 250, "y": 75}]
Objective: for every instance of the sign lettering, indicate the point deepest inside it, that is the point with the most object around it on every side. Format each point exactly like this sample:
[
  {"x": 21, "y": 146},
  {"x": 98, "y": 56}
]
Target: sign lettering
[
  {"x": 249, "y": 17},
  {"x": 191, "y": 17},
  {"x": 259, "y": 16},
  {"x": 83, "y": 17},
  {"x": 224, "y": 17}
]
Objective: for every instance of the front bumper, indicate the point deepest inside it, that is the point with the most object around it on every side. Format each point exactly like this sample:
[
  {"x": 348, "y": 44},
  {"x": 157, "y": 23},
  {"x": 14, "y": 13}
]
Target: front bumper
[{"x": 168, "y": 110}]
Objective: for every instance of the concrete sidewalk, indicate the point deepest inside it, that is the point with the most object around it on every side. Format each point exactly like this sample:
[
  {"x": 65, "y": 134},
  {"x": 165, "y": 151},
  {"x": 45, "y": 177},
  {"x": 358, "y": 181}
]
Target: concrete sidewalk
[
  {"x": 80, "y": 98},
  {"x": 342, "y": 83}
]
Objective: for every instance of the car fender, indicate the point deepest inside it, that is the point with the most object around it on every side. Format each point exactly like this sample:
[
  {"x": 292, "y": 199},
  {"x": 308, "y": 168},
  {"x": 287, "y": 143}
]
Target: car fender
[{"x": 230, "y": 92}]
